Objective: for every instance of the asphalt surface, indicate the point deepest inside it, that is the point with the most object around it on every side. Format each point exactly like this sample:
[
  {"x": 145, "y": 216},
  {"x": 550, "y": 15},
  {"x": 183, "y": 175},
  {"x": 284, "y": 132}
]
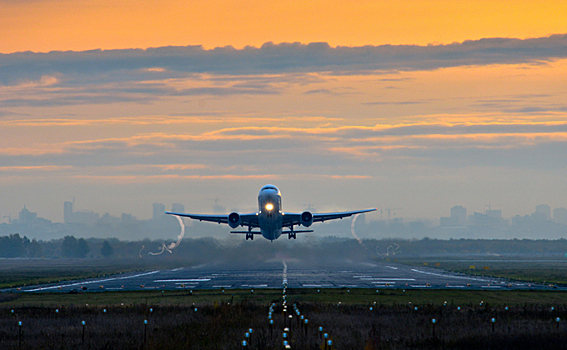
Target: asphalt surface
[{"x": 274, "y": 274}]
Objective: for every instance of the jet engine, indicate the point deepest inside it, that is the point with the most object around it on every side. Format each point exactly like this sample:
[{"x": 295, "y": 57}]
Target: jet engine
[
  {"x": 306, "y": 219},
  {"x": 233, "y": 220}
]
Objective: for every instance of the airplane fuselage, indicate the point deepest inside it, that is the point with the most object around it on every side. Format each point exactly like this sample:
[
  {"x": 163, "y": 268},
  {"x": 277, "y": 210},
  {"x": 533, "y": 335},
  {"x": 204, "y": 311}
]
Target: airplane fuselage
[{"x": 270, "y": 214}]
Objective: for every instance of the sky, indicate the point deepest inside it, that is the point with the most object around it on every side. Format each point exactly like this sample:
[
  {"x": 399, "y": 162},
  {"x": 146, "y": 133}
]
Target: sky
[{"x": 416, "y": 105}]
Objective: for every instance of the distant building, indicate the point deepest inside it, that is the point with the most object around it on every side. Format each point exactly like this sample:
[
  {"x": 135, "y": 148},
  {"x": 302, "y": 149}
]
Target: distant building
[
  {"x": 27, "y": 217},
  {"x": 492, "y": 218},
  {"x": 560, "y": 215},
  {"x": 519, "y": 220},
  {"x": 177, "y": 208},
  {"x": 544, "y": 210},
  {"x": 80, "y": 217},
  {"x": 67, "y": 212},
  {"x": 127, "y": 218},
  {"x": 458, "y": 217},
  {"x": 459, "y": 214},
  {"x": 495, "y": 214},
  {"x": 158, "y": 211}
]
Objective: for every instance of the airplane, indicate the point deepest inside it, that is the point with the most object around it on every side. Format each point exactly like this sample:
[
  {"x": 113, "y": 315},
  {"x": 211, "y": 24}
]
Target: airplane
[{"x": 270, "y": 219}]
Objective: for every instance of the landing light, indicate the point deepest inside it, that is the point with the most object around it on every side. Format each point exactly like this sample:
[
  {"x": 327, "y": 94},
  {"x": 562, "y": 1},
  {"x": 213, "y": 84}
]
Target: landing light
[{"x": 269, "y": 206}]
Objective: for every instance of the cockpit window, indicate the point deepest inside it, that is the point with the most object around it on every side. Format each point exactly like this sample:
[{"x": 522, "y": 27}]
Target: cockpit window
[{"x": 269, "y": 188}]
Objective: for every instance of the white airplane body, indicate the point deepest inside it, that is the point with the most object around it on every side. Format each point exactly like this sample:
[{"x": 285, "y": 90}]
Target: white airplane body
[{"x": 270, "y": 218}]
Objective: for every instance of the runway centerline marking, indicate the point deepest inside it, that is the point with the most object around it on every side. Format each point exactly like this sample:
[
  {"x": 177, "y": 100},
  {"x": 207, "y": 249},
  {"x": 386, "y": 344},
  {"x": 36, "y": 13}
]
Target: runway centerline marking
[{"x": 284, "y": 279}]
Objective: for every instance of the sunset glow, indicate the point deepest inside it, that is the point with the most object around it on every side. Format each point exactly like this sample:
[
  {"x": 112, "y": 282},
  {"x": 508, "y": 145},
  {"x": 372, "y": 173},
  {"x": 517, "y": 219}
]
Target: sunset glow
[{"x": 419, "y": 104}]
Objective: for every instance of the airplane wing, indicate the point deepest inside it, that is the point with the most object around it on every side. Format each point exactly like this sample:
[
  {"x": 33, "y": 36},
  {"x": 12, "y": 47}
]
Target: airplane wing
[
  {"x": 250, "y": 219},
  {"x": 290, "y": 219}
]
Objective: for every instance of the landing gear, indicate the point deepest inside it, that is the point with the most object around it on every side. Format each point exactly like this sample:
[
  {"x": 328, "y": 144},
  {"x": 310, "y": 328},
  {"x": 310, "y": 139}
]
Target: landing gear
[
  {"x": 250, "y": 236},
  {"x": 291, "y": 234}
]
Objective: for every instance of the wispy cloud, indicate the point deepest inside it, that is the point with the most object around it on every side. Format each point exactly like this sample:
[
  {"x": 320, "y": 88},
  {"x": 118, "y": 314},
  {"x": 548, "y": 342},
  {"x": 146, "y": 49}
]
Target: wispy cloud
[{"x": 223, "y": 152}]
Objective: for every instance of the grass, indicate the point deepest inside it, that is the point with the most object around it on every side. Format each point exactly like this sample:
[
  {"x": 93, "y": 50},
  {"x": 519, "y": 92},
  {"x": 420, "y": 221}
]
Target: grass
[
  {"x": 541, "y": 271},
  {"x": 357, "y": 296},
  {"x": 220, "y": 320},
  {"x": 21, "y": 272}
]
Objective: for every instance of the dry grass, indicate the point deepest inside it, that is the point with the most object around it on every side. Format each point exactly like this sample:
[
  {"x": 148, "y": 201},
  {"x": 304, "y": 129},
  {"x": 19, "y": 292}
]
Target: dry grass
[{"x": 222, "y": 326}]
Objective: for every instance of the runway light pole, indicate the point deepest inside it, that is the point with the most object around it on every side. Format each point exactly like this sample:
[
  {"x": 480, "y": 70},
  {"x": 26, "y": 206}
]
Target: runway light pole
[
  {"x": 557, "y": 320},
  {"x": 19, "y": 333},
  {"x": 145, "y": 331},
  {"x": 84, "y": 324},
  {"x": 433, "y": 322},
  {"x": 493, "y": 321}
]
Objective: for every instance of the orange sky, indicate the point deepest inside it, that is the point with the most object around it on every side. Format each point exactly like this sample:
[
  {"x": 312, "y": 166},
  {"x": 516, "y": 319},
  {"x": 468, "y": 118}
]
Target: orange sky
[{"x": 80, "y": 25}]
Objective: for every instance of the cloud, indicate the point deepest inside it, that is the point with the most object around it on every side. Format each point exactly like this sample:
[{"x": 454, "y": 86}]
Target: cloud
[
  {"x": 319, "y": 91},
  {"x": 270, "y": 58},
  {"x": 355, "y": 151},
  {"x": 395, "y": 103}
]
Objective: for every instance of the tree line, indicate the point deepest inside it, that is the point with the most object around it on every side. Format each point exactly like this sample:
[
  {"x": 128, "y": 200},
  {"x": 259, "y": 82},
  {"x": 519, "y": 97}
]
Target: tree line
[
  {"x": 16, "y": 246},
  {"x": 305, "y": 247}
]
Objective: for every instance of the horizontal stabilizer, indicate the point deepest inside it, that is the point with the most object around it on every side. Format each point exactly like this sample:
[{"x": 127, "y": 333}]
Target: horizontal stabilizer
[{"x": 296, "y": 231}]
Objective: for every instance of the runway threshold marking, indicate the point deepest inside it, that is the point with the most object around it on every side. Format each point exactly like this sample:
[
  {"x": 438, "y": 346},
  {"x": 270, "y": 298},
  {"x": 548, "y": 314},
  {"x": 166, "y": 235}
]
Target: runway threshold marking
[
  {"x": 254, "y": 285},
  {"x": 185, "y": 280},
  {"x": 317, "y": 285},
  {"x": 386, "y": 279},
  {"x": 450, "y": 276}
]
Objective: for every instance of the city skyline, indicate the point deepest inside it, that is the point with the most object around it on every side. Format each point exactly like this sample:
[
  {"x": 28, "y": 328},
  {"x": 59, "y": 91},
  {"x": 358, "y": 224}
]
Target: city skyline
[
  {"x": 542, "y": 222},
  {"x": 458, "y": 214},
  {"x": 416, "y": 105}
]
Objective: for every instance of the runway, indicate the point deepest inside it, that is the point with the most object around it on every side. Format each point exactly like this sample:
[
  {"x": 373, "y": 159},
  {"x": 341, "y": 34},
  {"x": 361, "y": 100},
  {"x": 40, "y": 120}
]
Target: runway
[{"x": 275, "y": 274}]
